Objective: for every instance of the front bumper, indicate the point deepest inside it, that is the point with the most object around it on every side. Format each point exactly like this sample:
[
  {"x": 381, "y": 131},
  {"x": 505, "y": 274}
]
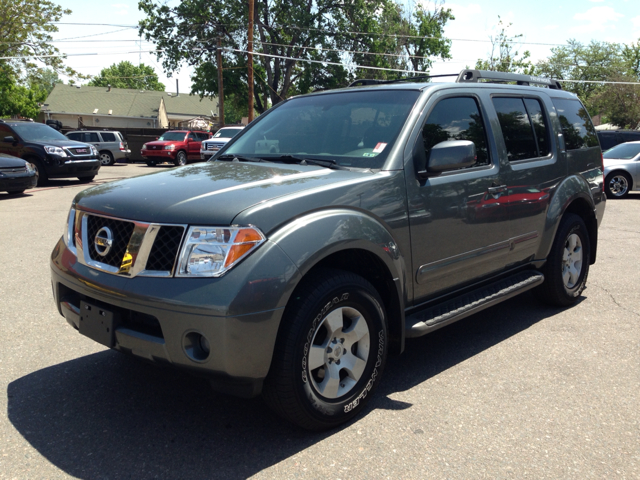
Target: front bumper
[
  {"x": 163, "y": 155},
  {"x": 17, "y": 182},
  {"x": 156, "y": 318},
  {"x": 62, "y": 168}
]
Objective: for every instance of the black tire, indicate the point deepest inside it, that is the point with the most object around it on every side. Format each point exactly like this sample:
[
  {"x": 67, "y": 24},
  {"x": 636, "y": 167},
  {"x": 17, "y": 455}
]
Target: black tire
[
  {"x": 15, "y": 192},
  {"x": 306, "y": 383},
  {"x": 617, "y": 185},
  {"x": 106, "y": 158},
  {"x": 43, "y": 179},
  {"x": 151, "y": 163},
  {"x": 561, "y": 287},
  {"x": 181, "y": 159},
  {"x": 86, "y": 179}
]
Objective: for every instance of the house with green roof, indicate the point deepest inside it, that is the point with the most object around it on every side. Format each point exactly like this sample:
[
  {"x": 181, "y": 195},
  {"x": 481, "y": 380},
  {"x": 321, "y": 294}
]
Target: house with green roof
[{"x": 107, "y": 107}]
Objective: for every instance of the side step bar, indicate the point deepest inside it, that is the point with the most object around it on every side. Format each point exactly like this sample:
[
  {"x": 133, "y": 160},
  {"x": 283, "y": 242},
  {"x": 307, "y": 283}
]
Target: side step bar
[{"x": 430, "y": 319}]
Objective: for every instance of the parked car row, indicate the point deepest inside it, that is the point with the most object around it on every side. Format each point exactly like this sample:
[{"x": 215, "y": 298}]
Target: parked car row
[{"x": 48, "y": 153}]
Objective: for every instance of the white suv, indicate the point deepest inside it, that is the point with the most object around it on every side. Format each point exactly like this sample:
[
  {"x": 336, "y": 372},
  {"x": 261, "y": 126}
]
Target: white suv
[{"x": 210, "y": 147}]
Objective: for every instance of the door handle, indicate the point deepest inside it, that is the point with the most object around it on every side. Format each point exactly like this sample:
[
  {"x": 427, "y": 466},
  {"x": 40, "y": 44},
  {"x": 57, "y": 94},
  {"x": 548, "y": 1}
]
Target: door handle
[{"x": 495, "y": 189}]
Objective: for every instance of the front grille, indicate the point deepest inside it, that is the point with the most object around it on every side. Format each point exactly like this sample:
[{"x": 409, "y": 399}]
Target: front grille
[
  {"x": 121, "y": 231},
  {"x": 165, "y": 249},
  {"x": 215, "y": 146},
  {"x": 13, "y": 169},
  {"x": 80, "y": 151},
  {"x": 154, "y": 147}
]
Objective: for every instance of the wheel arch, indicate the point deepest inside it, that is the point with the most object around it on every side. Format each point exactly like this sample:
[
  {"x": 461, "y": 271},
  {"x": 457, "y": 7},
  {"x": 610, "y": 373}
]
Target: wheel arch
[
  {"x": 325, "y": 240},
  {"x": 573, "y": 195}
]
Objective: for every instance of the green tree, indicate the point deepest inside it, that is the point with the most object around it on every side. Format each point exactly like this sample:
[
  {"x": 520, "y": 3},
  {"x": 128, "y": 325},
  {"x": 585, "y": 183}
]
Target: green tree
[
  {"x": 584, "y": 65},
  {"x": 285, "y": 31},
  {"x": 127, "y": 75},
  {"x": 504, "y": 55},
  {"x": 25, "y": 29}
]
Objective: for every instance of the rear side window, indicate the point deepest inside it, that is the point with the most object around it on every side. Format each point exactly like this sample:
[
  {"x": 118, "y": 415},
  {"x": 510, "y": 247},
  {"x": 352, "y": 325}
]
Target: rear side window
[
  {"x": 577, "y": 128},
  {"x": 456, "y": 119},
  {"x": 108, "y": 137},
  {"x": 524, "y": 127},
  {"x": 92, "y": 137}
]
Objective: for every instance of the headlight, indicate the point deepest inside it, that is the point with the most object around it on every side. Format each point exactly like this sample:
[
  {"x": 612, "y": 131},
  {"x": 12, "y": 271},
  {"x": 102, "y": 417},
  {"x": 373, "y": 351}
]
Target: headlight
[
  {"x": 55, "y": 151},
  {"x": 31, "y": 168},
  {"x": 212, "y": 251},
  {"x": 169, "y": 147},
  {"x": 144, "y": 146},
  {"x": 69, "y": 230},
  {"x": 94, "y": 150}
]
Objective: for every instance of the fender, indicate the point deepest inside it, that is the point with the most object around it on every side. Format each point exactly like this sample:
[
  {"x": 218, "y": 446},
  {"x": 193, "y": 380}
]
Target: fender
[{"x": 572, "y": 190}]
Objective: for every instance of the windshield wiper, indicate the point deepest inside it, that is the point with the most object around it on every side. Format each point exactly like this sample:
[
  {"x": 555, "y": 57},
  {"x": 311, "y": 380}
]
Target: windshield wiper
[{"x": 328, "y": 163}]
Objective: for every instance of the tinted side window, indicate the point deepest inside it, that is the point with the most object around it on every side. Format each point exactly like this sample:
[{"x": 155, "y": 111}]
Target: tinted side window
[
  {"x": 523, "y": 127},
  {"x": 456, "y": 119},
  {"x": 108, "y": 137},
  {"x": 576, "y": 125},
  {"x": 74, "y": 136},
  {"x": 91, "y": 137},
  {"x": 192, "y": 136}
]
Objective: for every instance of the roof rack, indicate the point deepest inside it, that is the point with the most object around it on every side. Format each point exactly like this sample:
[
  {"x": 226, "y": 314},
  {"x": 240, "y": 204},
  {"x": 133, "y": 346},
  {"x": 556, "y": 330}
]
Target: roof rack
[
  {"x": 371, "y": 81},
  {"x": 477, "y": 76}
]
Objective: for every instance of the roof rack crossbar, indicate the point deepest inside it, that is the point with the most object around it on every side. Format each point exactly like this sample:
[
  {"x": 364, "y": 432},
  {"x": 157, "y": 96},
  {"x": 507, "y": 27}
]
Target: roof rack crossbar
[{"x": 476, "y": 76}]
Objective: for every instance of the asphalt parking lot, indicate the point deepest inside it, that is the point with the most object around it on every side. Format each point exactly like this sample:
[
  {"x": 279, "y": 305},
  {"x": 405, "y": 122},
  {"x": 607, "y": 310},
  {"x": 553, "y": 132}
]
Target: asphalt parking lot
[{"x": 518, "y": 391}]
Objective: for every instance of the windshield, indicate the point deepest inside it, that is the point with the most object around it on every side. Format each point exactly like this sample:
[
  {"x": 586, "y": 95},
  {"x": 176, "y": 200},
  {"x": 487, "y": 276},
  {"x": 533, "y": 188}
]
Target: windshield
[
  {"x": 227, "y": 132},
  {"x": 355, "y": 129},
  {"x": 625, "y": 151},
  {"x": 34, "y": 132},
  {"x": 172, "y": 136}
]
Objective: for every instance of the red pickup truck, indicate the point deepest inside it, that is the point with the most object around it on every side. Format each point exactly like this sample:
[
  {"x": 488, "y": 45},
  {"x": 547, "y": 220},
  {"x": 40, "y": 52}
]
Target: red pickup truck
[{"x": 176, "y": 146}]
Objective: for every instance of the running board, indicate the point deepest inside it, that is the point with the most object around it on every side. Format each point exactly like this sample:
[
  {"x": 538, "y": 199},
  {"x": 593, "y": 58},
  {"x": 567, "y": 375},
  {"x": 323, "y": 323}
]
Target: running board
[{"x": 425, "y": 321}]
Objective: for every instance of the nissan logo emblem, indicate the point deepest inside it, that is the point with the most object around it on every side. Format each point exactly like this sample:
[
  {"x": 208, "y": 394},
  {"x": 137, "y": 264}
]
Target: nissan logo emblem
[{"x": 103, "y": 241}]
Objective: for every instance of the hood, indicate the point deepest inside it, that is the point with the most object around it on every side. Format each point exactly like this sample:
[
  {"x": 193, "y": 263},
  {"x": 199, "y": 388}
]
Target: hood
[
  {"x": 212, "y": 193},
  {"x": 163, "y": 142},
  {"x": 62, "y": 143},
  {"x": 9, "y": 161}
]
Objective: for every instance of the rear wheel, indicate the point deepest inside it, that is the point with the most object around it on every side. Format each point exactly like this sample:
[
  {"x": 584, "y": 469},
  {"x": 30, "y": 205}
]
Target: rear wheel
[
  {"x": 567, "y": 267},
  {"x": 106, "y": 158},
  {"x": 330, "y": 352},
  {"x": 181, "y": 159},
  {"x": 617, "y": 185}
]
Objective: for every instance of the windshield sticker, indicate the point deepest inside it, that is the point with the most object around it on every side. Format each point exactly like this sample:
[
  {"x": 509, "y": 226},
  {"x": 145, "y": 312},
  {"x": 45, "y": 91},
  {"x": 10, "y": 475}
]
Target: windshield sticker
[
  {"x": 369, "y": 154},
  {"x": 379, "y": 147}
]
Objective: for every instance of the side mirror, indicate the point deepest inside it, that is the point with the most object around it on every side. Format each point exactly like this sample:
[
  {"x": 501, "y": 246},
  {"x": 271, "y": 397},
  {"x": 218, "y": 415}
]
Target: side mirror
[
  {"x": 451, "y": 155},
  {"x": 9, "y": 139}
]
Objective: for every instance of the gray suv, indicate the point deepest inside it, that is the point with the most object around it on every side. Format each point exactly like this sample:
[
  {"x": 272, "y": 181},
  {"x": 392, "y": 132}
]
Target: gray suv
[
  {"x": 110, "y": 144},
  {"x": 334, "y": 227}
]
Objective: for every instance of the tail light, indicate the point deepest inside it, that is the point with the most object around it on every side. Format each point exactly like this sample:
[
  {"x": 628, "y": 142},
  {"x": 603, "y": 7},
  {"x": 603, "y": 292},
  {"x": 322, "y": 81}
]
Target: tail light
[{"x": 121, "y": 146}]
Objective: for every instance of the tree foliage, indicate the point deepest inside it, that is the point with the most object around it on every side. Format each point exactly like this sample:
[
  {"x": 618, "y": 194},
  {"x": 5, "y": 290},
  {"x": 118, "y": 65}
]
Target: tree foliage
[
  {"x": 290, "y": 37},
  {"x": 25, "y": 29},
  {"x": 504, "y": 55},
  {"x": 127, "y": 75}
]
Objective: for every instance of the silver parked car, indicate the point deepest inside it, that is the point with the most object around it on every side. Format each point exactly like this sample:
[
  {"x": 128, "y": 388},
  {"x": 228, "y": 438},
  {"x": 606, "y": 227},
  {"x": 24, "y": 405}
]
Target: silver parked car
[
  {"x": 110, "y": 144},
  {"x": 621, "y": 169}
]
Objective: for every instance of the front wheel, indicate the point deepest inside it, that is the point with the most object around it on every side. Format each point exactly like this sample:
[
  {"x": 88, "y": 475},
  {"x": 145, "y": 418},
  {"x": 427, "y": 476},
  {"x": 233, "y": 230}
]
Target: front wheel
[
  {"x": 617, "y": 185},
  {"x": 151, "y": 163},
  {"x": 181, "y": 159},
  {"x": 330, "y": 352},
  {"x": 86, "y": 179},
  {"x": 567, "y": 267}
]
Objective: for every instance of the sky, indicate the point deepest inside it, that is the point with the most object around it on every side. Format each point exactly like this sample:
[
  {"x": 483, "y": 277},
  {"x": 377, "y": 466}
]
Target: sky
[{"x": 543, "y": 24}]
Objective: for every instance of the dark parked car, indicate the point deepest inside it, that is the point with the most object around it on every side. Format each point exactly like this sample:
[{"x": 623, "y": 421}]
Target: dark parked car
[
  {"x": 16, "y": 175},
  {"x": 51, "y": 153},
  {"x": 332, "y": 228},
  {"x": 611, "y": 138}
]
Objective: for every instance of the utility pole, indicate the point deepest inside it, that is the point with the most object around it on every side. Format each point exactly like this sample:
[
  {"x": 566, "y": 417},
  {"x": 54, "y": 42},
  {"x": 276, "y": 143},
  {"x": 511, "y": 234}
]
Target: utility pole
[
  {"x": 220, "y": 89},
  {"x": 250, "y": 60}
]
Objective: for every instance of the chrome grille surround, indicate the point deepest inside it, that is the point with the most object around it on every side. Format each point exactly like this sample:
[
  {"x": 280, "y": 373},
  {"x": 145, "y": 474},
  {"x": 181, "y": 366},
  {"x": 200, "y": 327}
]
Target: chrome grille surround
[{"x": 139, "y": 246}]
